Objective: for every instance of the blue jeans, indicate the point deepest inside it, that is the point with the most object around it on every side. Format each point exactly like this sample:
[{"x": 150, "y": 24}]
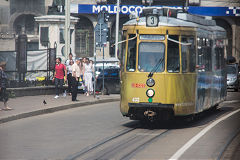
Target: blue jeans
[
  {"x": 3, "y": 95},
  {"x": 59, "y": 85}
]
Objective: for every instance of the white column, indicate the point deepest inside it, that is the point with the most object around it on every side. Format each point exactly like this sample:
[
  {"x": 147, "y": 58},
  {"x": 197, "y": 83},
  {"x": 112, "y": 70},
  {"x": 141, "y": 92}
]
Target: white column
[{"x": 67, "y": 28}]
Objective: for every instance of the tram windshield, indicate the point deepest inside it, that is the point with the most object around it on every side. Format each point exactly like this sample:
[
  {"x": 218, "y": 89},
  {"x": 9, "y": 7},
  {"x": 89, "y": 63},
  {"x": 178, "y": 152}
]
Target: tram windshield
[{"x": 149, "y": 55}]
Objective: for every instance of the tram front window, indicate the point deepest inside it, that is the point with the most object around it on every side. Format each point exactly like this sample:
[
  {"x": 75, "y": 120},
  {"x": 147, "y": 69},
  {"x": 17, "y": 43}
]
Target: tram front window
[{"x": 150, "y": 54}]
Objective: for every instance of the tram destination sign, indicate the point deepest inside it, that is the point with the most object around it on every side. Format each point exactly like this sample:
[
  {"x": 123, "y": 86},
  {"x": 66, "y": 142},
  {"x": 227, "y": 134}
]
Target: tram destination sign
[{"x": 128, "y": 9}]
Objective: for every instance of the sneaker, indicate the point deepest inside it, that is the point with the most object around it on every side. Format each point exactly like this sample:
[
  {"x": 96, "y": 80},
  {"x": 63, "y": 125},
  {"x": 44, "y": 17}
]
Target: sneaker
[
  {"x": 7, "y": 108},
  {"x": 64, "y": 94},
  {"x": 56, "y": 97}
]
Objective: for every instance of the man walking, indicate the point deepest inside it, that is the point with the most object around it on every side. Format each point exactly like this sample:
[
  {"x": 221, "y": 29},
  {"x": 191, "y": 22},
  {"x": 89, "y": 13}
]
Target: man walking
[
  {"x": 75, "y": 78},
  {"x": 59, "y": 77}
]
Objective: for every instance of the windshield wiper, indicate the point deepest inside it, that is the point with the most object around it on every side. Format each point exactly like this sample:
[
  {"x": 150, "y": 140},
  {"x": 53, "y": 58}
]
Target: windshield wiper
[{"x": 155, "y": 67}]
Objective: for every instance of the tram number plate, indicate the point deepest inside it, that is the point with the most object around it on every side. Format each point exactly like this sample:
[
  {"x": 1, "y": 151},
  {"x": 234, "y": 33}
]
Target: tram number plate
[
  {"x": 135, "y": 99},
  {"x": 152, "y": 20}
]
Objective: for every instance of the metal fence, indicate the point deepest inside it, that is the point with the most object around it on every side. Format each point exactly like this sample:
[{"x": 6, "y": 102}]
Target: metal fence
[{"x": 39, "y": 68}]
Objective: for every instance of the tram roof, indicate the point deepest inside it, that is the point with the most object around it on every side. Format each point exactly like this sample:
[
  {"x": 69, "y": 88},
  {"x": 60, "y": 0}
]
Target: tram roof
[{"x": 203, "y": 27}]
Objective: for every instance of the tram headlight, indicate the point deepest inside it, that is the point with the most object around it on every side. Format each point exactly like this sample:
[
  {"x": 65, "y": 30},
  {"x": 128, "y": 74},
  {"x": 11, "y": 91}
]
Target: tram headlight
[
  {"x": 150, "y": 82},
  {"x": 150, "y": 93}
]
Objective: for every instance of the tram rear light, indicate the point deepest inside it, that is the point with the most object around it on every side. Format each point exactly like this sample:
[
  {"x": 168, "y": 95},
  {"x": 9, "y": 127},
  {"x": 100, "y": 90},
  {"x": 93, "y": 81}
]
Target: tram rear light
[{"x": 150, "y": 93}]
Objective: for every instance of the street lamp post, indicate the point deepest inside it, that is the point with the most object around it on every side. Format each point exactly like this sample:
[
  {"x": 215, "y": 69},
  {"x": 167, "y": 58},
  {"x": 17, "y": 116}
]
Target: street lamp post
[
  {"x": 67, "y": 27},
  {"x": 117, "y": 29}
]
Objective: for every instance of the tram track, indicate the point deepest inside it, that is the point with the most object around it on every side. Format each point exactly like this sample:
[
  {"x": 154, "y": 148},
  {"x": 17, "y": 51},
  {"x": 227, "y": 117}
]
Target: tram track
[
  {"x": 98, "y": 144},
  {"x": 129, "y": 142},
  {"x": 122, "y": 145}
]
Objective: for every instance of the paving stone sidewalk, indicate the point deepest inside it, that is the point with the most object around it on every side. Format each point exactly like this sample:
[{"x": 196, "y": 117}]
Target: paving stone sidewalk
[{"x": 28, "y": 106}]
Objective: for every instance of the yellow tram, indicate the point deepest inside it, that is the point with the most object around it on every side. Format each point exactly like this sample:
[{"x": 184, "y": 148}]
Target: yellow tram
[{"x": 172, "y": 64}]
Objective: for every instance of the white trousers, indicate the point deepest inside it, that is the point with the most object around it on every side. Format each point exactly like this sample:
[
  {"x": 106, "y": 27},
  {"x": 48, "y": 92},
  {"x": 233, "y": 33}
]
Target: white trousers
[{"x": 88, "y": 81}]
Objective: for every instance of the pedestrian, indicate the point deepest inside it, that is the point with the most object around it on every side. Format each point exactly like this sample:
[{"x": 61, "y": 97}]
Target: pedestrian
[
  {"x": 3, "y": 86},
  {"x": 69, "y": 76},
  {"x": 76, "y": 69},
  {"x": 93, "y": 69},
  {"x": 81, "y": 74},
  {"x": 87, "y": 74},
  {"x": 70, "y": 58},
  {"x": 59, "y": 77},
  {"x": 84, "y": 59}
]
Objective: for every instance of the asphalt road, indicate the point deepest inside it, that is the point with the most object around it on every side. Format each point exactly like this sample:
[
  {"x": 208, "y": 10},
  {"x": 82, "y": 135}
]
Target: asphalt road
[{"x": 100, "y": 132}]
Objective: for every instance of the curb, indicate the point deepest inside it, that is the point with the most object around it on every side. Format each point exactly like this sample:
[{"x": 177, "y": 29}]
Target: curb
[{"x": 55, "y": 109}]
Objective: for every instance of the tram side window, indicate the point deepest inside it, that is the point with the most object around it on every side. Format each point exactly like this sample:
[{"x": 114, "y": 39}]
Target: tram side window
[
  {"x": 131, "y": 54},
  {"x": 200, "y": 58},
  {"x": 173, "y": 64},
  {"x": 222, "y": 59},
  {"x": 123, "y": 51},
  {"x": 184, "y": 51},
  {"x": 192, "y": 55},
  {"x": 208, "y": 55},
  {"x": 219, "y": 57}
]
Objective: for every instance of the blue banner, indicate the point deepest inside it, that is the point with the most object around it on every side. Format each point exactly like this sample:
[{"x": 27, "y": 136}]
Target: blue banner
[
  {"x": 127, "y": 9},
  {"x": 215, "y": 11}
]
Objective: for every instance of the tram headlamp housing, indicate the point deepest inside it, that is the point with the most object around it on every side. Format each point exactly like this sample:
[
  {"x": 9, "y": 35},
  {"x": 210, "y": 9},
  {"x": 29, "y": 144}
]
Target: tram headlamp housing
[
  {"x": 150, "y": 82},
  {"x": 150, "y": 93}
]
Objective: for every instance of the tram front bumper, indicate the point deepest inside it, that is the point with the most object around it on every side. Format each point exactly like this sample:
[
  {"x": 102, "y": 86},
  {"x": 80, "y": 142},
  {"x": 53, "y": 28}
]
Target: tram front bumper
[
  {"x": 151, "y": 105},
  {"x": 141, "y": 110}
]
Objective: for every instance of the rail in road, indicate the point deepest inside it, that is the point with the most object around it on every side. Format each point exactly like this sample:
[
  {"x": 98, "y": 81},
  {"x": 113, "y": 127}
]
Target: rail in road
[
  {"x": 129, "y": 142},
  {"x": 120, "y": 146}
]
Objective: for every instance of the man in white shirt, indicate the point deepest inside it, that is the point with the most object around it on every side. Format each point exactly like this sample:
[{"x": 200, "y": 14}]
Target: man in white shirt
[{"x": 75, "y": 78}]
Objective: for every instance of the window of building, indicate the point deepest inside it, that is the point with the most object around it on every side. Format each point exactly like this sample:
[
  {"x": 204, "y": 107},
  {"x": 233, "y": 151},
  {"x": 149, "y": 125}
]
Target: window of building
[
  {"x": 44, "y": 39},
  {"x": 62, "y": 36},
  {"x": 84, "y": 38}
]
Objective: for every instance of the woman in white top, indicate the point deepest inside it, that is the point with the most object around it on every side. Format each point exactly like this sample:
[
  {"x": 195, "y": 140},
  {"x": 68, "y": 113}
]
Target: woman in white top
[{"x": 87, "y": 73}]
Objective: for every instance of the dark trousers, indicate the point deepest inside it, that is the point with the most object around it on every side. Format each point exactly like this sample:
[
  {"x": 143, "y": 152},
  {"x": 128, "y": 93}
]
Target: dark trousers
[
  {"x": 74, "y": 88},
  {"x": 3, "y": 95},
  {"x": 69, "y": 78},
  {"x": 59, "y": 85}
]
